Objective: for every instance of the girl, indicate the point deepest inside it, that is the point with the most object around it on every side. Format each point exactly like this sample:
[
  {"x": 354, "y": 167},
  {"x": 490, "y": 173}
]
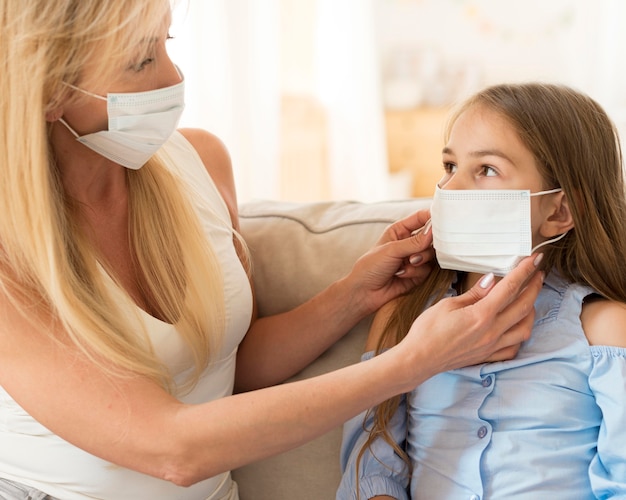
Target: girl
[{"x": 542, "y": 163}]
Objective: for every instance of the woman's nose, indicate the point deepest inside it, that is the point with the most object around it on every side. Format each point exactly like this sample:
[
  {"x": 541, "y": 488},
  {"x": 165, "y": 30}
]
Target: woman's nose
[{"x": 170, "y": 75}]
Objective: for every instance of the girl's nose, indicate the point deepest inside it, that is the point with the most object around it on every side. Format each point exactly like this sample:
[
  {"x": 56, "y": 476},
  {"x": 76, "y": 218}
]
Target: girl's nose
[{"x": 450, "y": 181}]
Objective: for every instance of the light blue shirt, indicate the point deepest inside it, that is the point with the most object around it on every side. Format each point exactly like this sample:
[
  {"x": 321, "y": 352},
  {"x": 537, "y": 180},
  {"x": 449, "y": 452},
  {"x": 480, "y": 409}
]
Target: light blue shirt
[{"x": 550, "y": 423}]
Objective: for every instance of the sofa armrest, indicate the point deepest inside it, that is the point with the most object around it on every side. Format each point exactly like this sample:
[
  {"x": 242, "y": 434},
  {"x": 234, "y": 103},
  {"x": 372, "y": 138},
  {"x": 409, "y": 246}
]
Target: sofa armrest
[{"x": 298, "y": 249}]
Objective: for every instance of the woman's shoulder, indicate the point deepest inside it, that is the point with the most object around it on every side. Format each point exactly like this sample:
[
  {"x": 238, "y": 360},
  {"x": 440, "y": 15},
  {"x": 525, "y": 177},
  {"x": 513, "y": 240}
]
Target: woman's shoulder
[
  {"x": 604, "y": 321},
  {"x": 216, "y": 160}
]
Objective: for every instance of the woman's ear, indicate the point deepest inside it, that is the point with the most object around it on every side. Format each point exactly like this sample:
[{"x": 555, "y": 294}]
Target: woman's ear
[
  {"x": 56, "y": 106},
  {"x": 54, "y": 115},
  {"x": 559, "y": 218}
]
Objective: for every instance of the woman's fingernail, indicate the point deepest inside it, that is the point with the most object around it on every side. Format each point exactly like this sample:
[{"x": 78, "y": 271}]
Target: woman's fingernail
[
  {"x": 427, "y": 227},
  {"x": 416, "y": 259},
  {"x": 486, "y": 281},
  {"x": 400, "y": 272},
  {"x": 538, "y": 259}
]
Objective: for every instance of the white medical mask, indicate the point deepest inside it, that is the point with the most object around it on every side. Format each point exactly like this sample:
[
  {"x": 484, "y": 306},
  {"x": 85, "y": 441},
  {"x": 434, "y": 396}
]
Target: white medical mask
[
  {"x": 483, "y": 230},
  {"x": 139, "y": 124}
]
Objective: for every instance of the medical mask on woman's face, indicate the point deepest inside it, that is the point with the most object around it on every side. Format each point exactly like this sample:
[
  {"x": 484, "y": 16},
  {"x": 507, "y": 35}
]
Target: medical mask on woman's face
[
  {"x": 139, "y": 124},
  {"x": 483, "y": 230}
]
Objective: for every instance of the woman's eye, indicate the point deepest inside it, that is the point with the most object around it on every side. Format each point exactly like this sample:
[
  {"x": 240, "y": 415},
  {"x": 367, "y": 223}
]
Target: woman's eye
[{"x": 143, "y": 64}]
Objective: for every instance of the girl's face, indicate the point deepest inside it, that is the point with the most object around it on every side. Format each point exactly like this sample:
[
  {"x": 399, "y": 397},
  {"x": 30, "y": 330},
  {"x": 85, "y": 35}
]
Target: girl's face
[{"x": 485, "y": 152}]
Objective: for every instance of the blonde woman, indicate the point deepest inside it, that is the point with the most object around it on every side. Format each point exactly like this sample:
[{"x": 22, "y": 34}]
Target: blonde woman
[
  {"x": 123, "y": 296},
  {"x": 527, "y": 164}
]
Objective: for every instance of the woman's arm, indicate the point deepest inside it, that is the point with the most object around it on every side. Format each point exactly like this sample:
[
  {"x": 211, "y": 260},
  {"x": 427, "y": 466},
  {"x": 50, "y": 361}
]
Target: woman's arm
[
  {"x": 134, "y": 423},
  {"x": 279, "y": 346}
]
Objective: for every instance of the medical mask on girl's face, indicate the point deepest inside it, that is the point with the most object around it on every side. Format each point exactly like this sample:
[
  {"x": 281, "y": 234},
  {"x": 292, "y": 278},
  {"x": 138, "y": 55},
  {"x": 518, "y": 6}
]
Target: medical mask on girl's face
[
  {"x": 139, "y": 124},
  {"x": 483, "y": 230}
]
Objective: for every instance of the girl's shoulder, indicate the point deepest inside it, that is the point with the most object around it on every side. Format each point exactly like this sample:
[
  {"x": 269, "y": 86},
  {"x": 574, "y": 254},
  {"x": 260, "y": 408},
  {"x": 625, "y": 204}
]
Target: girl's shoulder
[{"x": 604, "y": 321}]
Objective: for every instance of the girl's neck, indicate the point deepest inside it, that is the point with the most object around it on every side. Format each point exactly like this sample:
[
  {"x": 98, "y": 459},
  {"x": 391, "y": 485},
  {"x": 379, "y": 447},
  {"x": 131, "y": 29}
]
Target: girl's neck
[{"x": 468, "y": 280}]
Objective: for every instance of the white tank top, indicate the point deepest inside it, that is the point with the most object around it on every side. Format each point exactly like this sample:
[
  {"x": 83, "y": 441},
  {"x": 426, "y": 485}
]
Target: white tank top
[{"x": 30, "y": 454}]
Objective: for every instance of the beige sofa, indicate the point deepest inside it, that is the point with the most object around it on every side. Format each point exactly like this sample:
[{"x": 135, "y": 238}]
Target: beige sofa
[{"x": 297, "y": 250}]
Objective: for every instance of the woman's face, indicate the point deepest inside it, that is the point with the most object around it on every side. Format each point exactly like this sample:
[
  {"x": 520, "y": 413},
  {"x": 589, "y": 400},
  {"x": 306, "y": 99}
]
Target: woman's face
[
  {"x": 149, "y": 67},
  {"x": 485, "y": 152}
]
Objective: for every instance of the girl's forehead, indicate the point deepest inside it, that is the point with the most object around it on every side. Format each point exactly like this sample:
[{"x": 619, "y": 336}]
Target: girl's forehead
[
  {"x": 483, "y": 126},
  {"x": 483, "y": 134},
  {"x": 484, "y": 113}
]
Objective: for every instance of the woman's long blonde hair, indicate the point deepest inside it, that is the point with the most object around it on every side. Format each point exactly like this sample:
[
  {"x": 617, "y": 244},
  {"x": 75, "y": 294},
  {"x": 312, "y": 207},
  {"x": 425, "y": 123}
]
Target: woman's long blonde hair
[
  {"x": 48, "y": 268},
  {"x": 577, "y": 148}
]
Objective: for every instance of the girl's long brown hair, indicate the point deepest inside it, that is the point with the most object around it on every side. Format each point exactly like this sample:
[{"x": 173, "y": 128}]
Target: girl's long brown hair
[{"x": 576, "y": 148}]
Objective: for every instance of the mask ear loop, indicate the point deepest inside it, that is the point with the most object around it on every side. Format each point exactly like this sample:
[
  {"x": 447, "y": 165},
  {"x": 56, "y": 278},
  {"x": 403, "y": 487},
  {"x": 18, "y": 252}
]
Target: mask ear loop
[
  {"x": 540, "y": 193},
  {"x": 74, "y": 87},
  {"x": 553, "y": 240},
  {"x": 69, "y": 128},
  {"x": 557, "y": 238}
]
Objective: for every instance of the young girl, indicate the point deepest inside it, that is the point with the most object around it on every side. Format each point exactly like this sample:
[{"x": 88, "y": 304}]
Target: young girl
[{"x": 540, "y": 162}]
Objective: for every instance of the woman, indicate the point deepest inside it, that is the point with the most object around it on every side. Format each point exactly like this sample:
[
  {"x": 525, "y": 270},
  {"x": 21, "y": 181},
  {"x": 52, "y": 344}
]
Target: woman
[
  {"x": 124, "y": 299},
  {"x": 537, "y": 165}
]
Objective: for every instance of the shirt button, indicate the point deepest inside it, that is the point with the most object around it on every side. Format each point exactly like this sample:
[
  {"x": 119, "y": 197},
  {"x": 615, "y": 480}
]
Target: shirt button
[
  {"x": 486, "y": 381},
  {"x": 474, "y": 497},
  {"x": 482, "y": 431}
]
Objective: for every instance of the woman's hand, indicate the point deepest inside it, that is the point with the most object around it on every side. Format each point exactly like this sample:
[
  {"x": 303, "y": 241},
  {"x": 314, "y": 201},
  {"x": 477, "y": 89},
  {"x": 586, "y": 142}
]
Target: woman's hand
[
  {"x": 271, "y": 352},
  {"x": 488, "y": 322},
  {"x": 398, "y": 262}
]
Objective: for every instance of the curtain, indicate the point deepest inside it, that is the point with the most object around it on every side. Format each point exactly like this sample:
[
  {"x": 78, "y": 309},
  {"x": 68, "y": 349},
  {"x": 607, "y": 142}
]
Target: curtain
[
  {"x": 349, "y": 87},
  {"x": 228, "y": 52}
]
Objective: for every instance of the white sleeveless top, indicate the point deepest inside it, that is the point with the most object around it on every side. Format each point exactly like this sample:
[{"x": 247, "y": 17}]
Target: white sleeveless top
[{"x": 30, "y": 454}]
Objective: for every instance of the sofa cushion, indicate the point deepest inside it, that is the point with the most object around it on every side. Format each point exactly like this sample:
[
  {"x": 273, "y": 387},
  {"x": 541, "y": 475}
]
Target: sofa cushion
[{"x": 298, "y": 249}]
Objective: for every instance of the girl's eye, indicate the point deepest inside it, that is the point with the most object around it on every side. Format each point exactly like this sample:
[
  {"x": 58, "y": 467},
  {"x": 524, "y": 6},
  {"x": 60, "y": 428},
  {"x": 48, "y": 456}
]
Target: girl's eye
[
  {"x": 489, "y": 171},
  {"x": 449, "y": 168}
]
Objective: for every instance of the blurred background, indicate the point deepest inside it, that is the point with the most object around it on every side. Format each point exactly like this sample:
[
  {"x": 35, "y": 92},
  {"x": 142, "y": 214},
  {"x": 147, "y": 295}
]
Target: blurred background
[{"x": 347, "y": 99}]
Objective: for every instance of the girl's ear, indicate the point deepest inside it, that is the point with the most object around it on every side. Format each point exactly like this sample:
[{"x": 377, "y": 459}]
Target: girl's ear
[{"x": 559, "y": 219}]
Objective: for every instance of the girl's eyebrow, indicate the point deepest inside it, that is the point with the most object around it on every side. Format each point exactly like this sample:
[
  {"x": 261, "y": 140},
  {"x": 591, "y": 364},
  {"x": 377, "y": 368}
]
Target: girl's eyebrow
[{"x": 481, "y": 152}]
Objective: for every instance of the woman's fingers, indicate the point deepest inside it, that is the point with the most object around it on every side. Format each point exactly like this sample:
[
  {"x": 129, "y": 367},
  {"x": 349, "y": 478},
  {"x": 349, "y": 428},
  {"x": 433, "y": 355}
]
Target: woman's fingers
[
  {"x": 512, "y": 339},
  {"x": 506, "y": 308},
  {"x": 495, "y": 298},
  {"x": 488, "y": 322},
  {"x": 406, "y": 227}
]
